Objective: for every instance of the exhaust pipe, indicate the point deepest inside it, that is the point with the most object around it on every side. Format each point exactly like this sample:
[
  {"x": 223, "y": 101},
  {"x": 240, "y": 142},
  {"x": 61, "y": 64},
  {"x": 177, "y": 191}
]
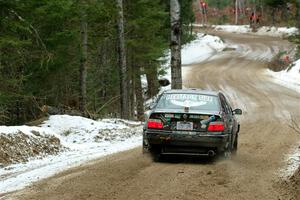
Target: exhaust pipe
[{"x": 211, "y": 153}]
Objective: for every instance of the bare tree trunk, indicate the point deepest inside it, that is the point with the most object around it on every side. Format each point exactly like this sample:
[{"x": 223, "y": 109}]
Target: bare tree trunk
[
  {"x": 273, "y": 16},
  {"x": 83, "y": 63},
  {"x": 139, "y": 95},
  {"x": 236, "y": 11},
  {"x": 298, "y": 13},
  {"x": 152, "y": 81},
  {"x": 131, "y": 87},
  {"x": 175, "y": 45},
  {"x": 122, "y": 63}
]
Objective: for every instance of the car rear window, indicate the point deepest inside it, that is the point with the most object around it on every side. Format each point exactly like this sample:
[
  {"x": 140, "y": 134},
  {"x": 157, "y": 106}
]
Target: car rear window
[{"x": 193, "y": 101}]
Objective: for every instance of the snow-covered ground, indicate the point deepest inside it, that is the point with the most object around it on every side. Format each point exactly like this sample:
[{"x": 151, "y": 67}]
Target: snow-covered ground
[
  {"x": 200, "y": 49},
  {"x": 292, "y": 160},
  {"x": 289, "y": 78},
  {"x": 264, "y": 30},
  {"x": 84, "y": 139}
]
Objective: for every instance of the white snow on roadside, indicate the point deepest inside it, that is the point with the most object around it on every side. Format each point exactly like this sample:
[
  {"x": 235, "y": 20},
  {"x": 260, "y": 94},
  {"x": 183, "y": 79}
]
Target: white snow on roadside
[
  {"x": 289, "y": 78},
  {"x": 233, "y": 28},
  {"x": 264, "y": 30},
  {"x": 86, "y": 139},
  {"x": 292, "y": 164},
  {"x": 11, "y": 130},
  {"x": 200, "y": 49}
]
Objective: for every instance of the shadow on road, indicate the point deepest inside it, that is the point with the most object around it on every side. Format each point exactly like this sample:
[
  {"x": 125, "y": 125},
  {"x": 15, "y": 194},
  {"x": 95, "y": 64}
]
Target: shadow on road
[{"x": 175, "y": 159}]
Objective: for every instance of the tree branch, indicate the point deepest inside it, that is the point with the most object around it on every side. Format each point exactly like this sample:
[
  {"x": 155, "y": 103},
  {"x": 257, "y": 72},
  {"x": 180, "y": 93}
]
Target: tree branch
[{"x": 36, "y": 33}]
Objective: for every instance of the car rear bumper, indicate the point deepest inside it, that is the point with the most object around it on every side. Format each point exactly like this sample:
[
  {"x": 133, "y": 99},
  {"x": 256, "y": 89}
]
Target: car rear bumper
[{"x": 185, "y": 143}]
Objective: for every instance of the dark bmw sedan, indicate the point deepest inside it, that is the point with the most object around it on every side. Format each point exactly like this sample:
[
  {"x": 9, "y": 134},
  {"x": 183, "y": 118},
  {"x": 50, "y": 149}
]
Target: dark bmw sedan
[{"x": 191, "y": 122}]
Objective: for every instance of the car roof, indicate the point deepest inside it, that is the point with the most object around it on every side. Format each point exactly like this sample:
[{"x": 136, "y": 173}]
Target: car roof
[{"x": 192, "y": 91}]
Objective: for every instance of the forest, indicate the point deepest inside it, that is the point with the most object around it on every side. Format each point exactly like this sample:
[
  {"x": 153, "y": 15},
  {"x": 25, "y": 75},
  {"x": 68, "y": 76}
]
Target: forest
[{"x": 46, "y": 44}]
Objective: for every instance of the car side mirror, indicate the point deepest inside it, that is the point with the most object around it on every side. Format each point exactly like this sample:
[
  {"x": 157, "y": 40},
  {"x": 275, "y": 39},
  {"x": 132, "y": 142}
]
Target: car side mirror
[
  {"x": 237, "y": 111},
  {"x": 164, "y": 82}
]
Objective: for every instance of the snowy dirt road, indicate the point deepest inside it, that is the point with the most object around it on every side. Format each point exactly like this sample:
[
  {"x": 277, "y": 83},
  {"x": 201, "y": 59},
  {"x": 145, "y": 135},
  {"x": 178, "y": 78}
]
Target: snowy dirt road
[{"x": 254, "y": 173}]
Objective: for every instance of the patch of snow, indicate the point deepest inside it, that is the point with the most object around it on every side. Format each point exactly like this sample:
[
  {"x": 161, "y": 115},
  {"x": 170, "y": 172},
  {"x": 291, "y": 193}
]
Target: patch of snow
[
  {"x": 289, "y": 78},
  {"x": 233, "y": 28},
  {"x": 264, "y": 30},
  {"x": 293, "y": 163},
  {"x": 86, "y": 139},
  {"x": 200, "y": 49},
  {"x": 11, "y": 130}
]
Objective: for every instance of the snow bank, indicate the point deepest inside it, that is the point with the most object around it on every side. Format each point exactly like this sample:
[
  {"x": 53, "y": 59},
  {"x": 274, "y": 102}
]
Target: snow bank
[
  {"x": 289, "y": 78},
  {"x": 264, "y": 30},
  {"x": 233, "y": 28},
  {"x": 200, "y": 49},
  {"x": 293, "y": 163},
  {"x": 82, "y": 139},
  {"x": 77, "y": 132}
]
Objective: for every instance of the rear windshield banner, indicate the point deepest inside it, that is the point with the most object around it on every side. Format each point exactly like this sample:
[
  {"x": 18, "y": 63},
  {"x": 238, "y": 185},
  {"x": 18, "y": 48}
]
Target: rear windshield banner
[{"x": 192, "y": 97}]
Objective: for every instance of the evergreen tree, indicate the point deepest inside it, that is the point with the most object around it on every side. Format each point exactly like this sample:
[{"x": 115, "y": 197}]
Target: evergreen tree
[{"x": 42, "y": 48}]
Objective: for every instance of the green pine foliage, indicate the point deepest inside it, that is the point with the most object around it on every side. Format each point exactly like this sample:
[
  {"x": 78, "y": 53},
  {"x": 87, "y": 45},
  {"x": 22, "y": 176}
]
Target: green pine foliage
[{"x": 40, "y": 52}]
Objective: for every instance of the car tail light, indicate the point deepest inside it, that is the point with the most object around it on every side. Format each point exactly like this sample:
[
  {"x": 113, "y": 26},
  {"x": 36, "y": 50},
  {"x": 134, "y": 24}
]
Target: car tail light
[
  {"x": 155, "y": 123},
  {"x": 216, "y": 127}
]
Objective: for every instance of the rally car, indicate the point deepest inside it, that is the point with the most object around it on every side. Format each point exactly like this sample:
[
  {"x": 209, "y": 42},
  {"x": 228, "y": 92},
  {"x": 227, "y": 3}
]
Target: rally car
[{"x": 191, "y": 122}]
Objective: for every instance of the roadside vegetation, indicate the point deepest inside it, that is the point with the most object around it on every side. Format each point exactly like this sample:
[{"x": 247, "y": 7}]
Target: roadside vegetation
[{"x": 43, "y": 45}]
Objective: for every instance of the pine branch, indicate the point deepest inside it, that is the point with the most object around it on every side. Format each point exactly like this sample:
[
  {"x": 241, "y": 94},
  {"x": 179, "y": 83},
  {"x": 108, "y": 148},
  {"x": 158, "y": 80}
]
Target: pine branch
[{"x": 36, "y": 33}]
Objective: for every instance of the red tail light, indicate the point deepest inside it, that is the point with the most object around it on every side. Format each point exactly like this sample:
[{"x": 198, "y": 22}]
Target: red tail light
[
  {"x": 155, "y": 123},
  {"x": 216, "y": 127}
]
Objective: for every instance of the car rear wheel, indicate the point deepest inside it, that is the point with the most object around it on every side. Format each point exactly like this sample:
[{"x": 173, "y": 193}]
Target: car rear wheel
[
  {"x": 235, "y": 146},
  {"x": 156, "y": 153}
]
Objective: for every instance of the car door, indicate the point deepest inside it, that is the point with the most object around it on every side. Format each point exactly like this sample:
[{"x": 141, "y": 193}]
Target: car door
[
  {"x": 228, "y": 119},
  {"x": 226, "y": 114},
  {"x": 232, "y": 121}
]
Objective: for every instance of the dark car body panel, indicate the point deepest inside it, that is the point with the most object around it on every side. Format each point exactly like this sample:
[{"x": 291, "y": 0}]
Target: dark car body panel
[{"x": 196, "y": 141}]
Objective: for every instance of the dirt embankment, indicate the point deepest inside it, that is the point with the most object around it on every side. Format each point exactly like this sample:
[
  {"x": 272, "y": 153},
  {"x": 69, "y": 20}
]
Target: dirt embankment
[
  {"x": 291, "y": 187},
  {"x": 19, "y": 147}
]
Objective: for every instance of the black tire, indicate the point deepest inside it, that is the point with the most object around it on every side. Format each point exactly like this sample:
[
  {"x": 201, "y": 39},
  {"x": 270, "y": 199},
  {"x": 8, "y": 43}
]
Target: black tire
[
  {"x": 235, "y": 146},
  {"x": 156, "y": 153},
  {"x": 157, "y": 157}
]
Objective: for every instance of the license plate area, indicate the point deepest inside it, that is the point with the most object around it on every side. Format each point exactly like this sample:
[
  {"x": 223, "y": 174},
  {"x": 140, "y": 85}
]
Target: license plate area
[{"x": 184, "y": 126}]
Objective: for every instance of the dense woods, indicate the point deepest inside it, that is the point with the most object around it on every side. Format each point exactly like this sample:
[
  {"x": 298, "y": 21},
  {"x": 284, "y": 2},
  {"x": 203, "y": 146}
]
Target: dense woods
[{"x": 64, "y": 54}]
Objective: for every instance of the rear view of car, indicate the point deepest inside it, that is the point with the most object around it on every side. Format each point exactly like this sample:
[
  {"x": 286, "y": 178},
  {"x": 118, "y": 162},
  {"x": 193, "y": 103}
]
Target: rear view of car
[{"x": 191, "y": 122}]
